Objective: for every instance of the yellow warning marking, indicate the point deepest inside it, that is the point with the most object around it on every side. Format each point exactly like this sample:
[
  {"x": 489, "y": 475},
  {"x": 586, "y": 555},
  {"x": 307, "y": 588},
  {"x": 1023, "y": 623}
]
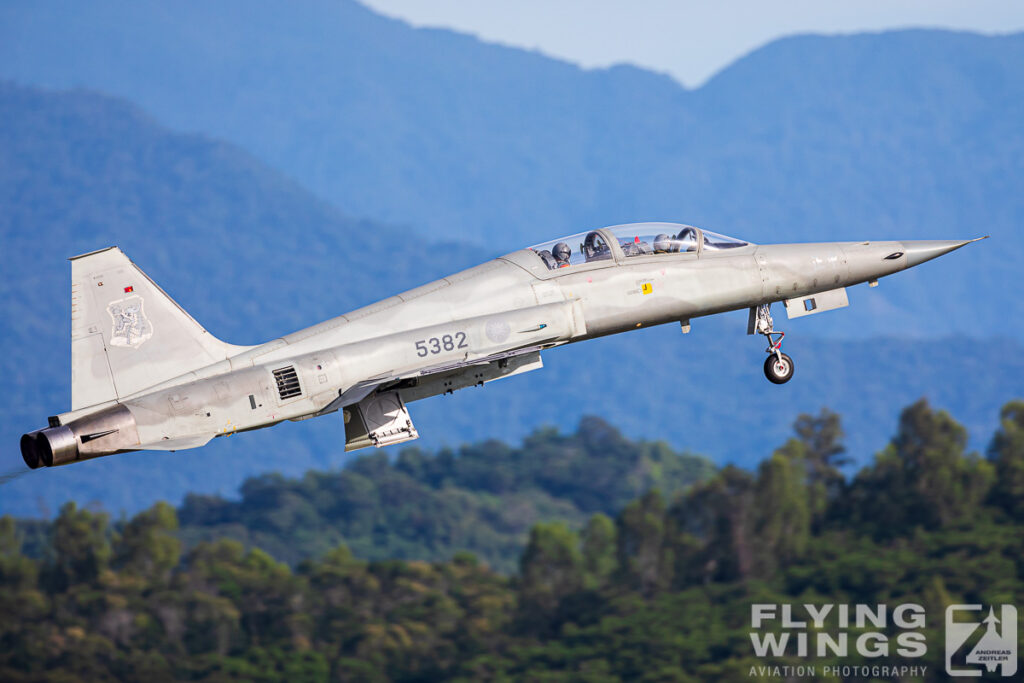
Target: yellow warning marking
[{"x": 646, "y": 288}]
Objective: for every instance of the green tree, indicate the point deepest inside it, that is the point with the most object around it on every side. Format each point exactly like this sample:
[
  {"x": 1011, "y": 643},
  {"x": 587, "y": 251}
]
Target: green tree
[
  {"x": 923, "y": 478},
  {"x": 821, "y": 440},
  {"x": 822, "y": 436},
  {"x": 551, "y": 569},
  {"x": 713, "y": 529},
  {"x": 147, "y": 544},
  {"x": 645, "y": 560},
  {"x": 598, "y": 547},
  {"x": 81, "y": 546},
  {"x": 19, "y": 598},
  {"x": 782, "y": 521},
  {"x": 17, "y": 572},
  {"x": 1007, "y": 454}
]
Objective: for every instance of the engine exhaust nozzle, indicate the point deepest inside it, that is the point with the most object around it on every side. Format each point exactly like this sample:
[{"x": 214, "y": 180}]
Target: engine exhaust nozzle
[
  {"x": 50, "y": 446},
  {"x": 111, "y": 430},
  {"x": 29, "y": 450}
]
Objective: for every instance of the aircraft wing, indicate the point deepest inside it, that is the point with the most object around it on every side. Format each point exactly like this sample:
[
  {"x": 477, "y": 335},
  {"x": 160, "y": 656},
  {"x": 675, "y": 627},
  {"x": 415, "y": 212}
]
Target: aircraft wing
[
  {"x": 505, "y": 344},
  {"x": 493, "y": 358},
  {"x": 430, "y": 380}
]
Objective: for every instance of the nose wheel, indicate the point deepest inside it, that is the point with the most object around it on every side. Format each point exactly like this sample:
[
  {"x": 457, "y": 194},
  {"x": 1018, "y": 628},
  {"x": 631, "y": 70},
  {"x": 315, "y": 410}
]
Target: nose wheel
[{"x": 778, "y": 367}]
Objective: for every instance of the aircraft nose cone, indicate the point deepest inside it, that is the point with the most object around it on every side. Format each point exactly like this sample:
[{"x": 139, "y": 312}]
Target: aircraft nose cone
[{"x": 919, "y": 251}]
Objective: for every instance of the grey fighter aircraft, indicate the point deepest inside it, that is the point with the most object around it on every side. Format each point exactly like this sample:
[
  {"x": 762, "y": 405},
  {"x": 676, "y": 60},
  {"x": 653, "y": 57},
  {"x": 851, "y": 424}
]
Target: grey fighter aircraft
[{"x": 146, "y": 376}]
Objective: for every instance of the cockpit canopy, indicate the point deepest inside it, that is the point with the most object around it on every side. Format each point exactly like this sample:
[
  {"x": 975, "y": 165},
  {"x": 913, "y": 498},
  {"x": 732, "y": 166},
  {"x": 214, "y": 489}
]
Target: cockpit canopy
[{"x": 632, "y": 239}]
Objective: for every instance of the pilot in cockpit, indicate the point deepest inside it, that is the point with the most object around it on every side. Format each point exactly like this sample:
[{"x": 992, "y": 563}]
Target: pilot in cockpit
[{"x": 562, "y": 252}]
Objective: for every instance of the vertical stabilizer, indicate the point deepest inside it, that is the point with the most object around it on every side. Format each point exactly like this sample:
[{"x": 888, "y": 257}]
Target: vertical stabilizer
[{"x": 127, "y": 334}]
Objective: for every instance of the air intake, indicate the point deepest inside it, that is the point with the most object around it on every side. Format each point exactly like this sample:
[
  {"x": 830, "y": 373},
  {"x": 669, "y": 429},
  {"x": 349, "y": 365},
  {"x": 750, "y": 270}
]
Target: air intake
[{"x": 287, "y": 383}]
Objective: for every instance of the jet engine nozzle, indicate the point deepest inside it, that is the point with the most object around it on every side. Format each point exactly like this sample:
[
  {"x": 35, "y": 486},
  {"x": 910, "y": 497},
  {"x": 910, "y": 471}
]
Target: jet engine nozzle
[
  {"x": 54, "y": 445},
  {"x": 108, "y": 431}
]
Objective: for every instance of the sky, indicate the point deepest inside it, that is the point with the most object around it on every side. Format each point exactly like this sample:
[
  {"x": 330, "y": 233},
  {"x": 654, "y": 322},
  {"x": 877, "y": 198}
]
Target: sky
[{"x": 690, "y": 41}]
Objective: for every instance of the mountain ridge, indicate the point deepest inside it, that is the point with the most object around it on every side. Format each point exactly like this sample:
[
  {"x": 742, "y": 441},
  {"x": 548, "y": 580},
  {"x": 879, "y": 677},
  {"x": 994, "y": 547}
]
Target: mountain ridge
[{"x": 896, "y": 135}]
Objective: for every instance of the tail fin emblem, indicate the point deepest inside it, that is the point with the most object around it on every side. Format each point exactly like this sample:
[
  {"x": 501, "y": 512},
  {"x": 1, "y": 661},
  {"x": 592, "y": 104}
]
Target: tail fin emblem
[{"x": 131, "y": 326}]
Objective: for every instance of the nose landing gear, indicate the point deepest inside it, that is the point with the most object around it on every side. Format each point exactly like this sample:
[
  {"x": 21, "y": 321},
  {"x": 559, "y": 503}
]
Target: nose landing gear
[{"x": 778, "y": 367}]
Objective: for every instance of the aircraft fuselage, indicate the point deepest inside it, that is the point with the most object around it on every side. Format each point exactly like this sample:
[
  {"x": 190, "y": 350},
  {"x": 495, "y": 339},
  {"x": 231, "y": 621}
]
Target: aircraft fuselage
[{"x": 481, "y": 324}]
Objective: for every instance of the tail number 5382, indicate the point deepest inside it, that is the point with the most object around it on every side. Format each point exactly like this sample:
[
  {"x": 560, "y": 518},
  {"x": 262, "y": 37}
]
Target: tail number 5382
[{"x": 448, "y": 342}]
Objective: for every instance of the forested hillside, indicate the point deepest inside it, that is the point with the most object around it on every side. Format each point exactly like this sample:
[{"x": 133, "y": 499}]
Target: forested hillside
[
  {"x": 483, "y": 497},
  {"x": 662, "y": 591}
]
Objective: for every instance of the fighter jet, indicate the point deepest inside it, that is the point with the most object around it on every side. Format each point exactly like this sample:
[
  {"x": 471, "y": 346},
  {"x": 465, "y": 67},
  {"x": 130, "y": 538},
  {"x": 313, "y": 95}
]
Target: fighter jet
[{"x": 146, "y": 376}]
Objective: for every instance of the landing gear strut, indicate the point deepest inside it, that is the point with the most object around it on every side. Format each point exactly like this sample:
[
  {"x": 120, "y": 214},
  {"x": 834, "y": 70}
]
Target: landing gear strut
[{"x": 778, "y": 367}]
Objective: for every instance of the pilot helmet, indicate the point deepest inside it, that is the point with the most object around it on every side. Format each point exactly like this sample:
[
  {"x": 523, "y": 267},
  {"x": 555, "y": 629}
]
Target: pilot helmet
[
  {"x": 562, "y": 251},
  {"x": 548, "y": 259},
  {"x": 662, "y": 243}
]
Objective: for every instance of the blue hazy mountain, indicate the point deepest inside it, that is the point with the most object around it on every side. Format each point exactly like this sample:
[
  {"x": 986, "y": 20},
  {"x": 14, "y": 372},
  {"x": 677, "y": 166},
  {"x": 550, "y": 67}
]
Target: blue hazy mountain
[
  {"x": 253, "y": 255},
  {"x": 245, "y": 250},
  {"x": 910, "y": 134}
]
